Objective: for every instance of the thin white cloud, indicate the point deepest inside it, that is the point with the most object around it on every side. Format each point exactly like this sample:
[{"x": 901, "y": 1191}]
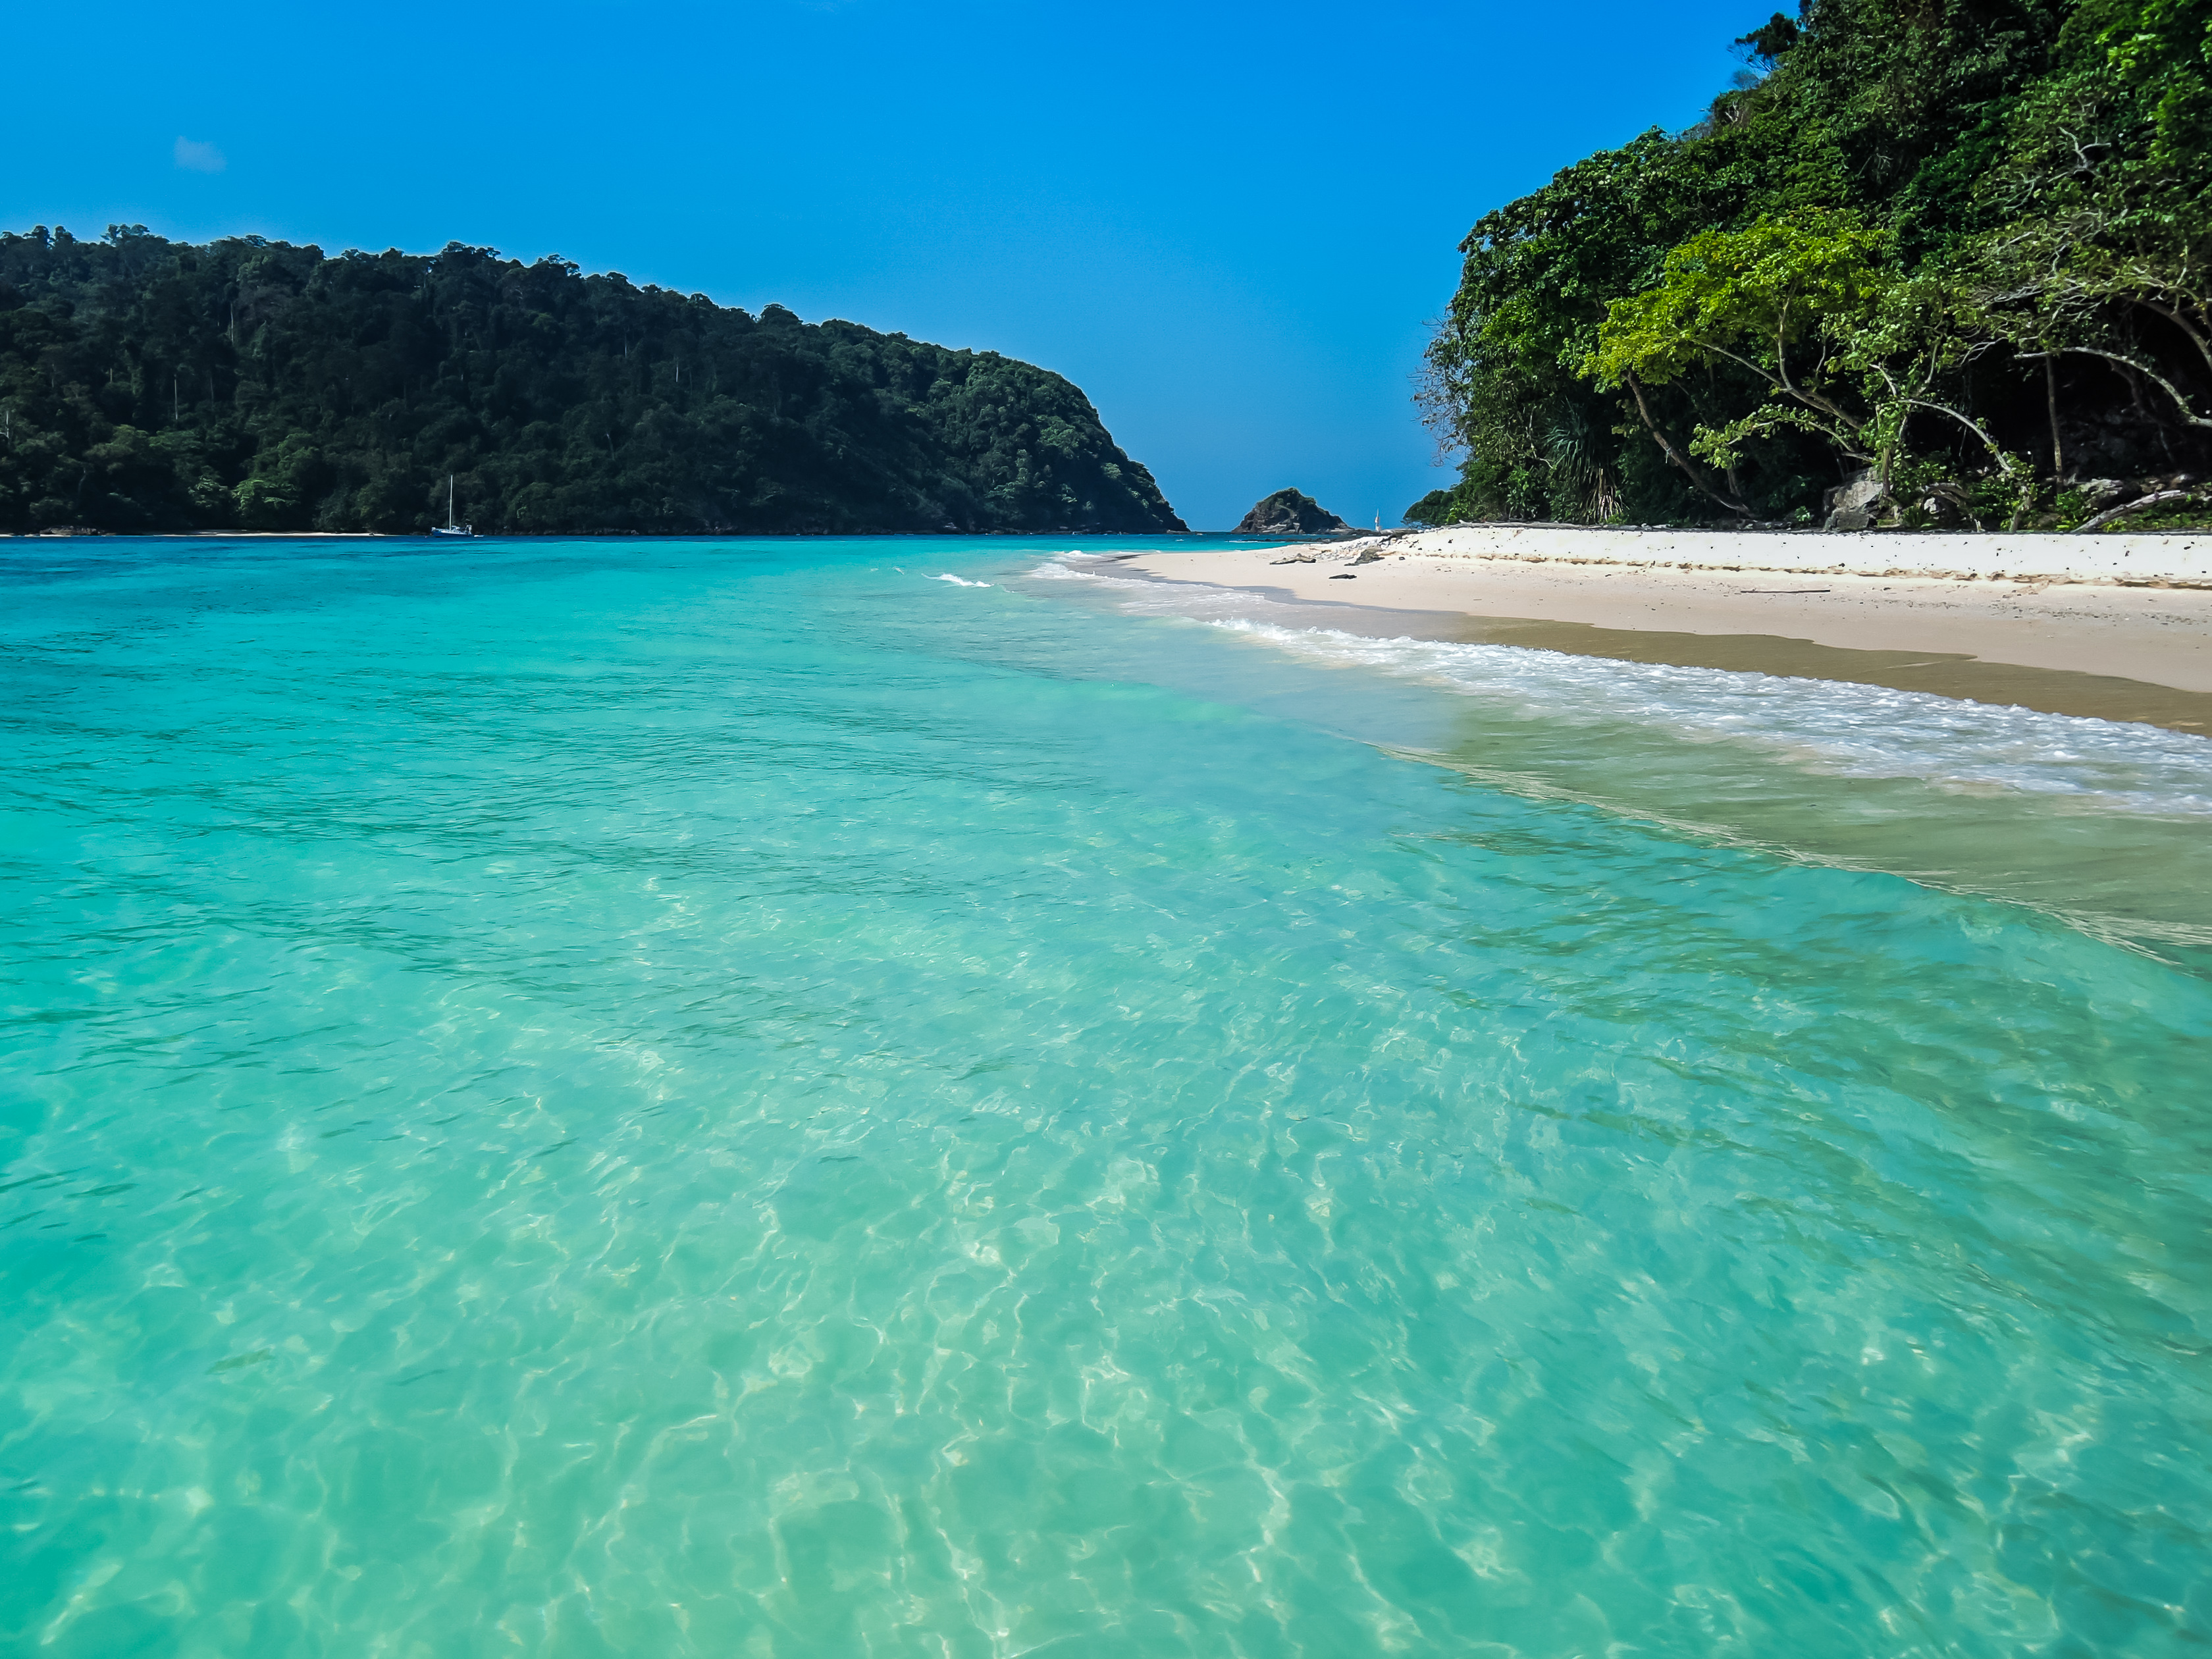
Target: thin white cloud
[{"x": 194, "y": 156}]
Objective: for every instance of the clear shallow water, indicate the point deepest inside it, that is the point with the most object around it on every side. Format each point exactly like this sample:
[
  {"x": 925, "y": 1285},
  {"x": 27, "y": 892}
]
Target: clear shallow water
[
  {"x": 2103, "y": 823},
  {"x": 670, "y": 1098}
]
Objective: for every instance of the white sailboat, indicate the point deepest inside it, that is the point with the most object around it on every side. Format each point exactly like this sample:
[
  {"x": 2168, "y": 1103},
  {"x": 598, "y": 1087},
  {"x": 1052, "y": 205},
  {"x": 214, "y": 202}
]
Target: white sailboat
[{"x": 449, "y": 528}]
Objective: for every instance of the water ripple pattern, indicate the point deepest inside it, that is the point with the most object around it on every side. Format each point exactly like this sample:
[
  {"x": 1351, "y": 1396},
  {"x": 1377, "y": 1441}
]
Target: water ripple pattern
[{"x": 731, "y": 1098}]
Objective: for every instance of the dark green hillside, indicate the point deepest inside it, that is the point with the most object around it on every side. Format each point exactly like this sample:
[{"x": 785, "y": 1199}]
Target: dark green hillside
[
  {"x": 152, "y": 386},
  {"x": 1958, "y": 246}
]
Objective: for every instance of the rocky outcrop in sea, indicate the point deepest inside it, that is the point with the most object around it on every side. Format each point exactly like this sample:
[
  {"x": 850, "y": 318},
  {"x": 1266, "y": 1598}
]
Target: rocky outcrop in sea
[{"x": 1290, "y": 513}]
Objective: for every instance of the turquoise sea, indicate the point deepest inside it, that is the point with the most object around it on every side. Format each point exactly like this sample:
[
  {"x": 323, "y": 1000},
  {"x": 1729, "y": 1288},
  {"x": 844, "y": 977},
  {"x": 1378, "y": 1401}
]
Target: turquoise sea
[{"x": 922, "y": 1098}]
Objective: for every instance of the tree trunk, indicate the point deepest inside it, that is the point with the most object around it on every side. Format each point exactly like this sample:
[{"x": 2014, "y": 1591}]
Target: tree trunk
[{"x": 2050, "y": 398}]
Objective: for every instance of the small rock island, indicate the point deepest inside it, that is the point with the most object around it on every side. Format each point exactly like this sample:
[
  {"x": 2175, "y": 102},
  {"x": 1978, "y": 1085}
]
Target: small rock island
[{"x": 1289, "y": 512}]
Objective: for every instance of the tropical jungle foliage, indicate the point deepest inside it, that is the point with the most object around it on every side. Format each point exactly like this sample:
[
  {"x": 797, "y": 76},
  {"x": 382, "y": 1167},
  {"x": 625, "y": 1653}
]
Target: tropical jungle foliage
[
  {"x": 147, "y": 385},
  {"x": 1953, "y": 249}
]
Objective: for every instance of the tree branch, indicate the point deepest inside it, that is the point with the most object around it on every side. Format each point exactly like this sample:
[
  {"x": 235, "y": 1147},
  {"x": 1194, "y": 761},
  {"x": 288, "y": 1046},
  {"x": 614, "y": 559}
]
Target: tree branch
[
  {"x": 2156, "y": 498},
  {"x": 2151, "y": 375},
  {"x": 2172, "y": 314},
  {"x": 1988, "y": 442},
  {"x": 1741, "y": 362},
  {"x": 1675, "y": 455}
]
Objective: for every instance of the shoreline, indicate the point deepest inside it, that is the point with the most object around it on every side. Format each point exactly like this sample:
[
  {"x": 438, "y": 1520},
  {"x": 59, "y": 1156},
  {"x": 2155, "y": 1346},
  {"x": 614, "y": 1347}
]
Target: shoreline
[{"x": 2111, "y": 628}]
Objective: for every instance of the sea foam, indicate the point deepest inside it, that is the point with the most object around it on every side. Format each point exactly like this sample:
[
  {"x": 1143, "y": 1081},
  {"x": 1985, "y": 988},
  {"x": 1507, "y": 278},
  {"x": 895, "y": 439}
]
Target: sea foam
[{"x": 1832, "y": 726}]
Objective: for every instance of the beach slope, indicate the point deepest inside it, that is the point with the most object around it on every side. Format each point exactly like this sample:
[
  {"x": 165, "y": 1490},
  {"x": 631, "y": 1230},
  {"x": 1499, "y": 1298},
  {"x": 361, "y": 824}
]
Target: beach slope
[{"x": 2118, "y": 627}]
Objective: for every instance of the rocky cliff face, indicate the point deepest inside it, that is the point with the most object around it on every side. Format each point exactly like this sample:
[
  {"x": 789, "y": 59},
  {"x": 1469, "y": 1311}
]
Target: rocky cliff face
[{"x": 1289, "y": 512}]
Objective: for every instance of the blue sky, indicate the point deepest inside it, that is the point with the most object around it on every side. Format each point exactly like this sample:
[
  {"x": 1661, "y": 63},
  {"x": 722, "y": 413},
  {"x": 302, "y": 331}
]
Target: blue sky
[{"x": 1231, "y": 224}]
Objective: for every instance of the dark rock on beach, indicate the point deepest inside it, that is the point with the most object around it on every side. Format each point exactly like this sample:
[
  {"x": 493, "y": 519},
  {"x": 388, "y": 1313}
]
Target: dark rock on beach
[
  {"x": 1290, "y": 513},
  {"x": 1855, "y": 505}
]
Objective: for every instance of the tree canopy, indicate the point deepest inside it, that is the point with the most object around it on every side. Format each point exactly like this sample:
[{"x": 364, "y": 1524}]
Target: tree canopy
[
  {"x": 152, "y": 386},
  {"x": 1957, "y": 246}
]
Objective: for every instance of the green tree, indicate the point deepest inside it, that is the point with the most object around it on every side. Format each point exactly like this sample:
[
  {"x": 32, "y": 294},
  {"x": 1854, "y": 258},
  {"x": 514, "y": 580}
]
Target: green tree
[
  {"x": 1960, "y": 242},
  {"x": 1779, "y": 300}
]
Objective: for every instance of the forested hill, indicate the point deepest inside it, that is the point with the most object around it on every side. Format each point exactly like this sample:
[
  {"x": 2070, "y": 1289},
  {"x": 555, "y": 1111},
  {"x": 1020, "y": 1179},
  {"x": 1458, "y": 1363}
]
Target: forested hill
[
  {"x": 152, "y": 386},
  {"x": 1958, "y": 246}
]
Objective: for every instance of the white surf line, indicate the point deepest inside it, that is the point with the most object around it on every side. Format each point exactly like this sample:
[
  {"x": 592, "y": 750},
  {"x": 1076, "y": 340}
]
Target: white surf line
[{"x": 1831, "y": 725}]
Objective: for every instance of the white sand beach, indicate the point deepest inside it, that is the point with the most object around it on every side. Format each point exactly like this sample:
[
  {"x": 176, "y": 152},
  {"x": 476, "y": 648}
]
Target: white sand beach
[{"x": 2136, "y": 610}]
